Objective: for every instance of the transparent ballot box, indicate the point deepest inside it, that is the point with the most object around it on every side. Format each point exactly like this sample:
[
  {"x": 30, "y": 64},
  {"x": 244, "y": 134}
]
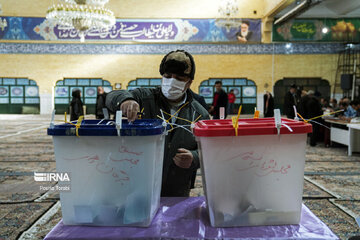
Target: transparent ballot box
[
  {"x": 255, "y": 176},
  {"x": 115, "y": 173}
]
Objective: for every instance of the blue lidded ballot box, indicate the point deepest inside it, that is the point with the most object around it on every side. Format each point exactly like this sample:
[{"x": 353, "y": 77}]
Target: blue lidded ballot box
[{"x": 115, "y": 176}]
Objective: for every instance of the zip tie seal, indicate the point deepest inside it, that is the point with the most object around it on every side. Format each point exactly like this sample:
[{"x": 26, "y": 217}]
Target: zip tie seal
[
  {"x": 277, "y": 117},
  {"x": 296, "y": 114},
  {"x": 78, "y": 125},
  {"x": 118, "y": 121},
  {"x": 287, "y": 126},
  {"x": 235, "y": 121},
  {"x": 222, "y": 113},
  {"x": 52, "y": 125},
  {"x": 256, "y": 113}
]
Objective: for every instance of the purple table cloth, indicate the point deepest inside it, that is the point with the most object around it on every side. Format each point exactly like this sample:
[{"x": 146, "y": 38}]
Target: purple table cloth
[{"x": 187, "y": 218}]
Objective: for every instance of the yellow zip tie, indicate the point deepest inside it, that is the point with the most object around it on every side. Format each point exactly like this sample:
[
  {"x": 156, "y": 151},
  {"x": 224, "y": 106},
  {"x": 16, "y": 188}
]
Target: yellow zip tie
[
  {"x": 302, "y": 118},
  {"x": 238, "y": 115},
  {"x": 66, "y": 121},
  {"x": 177, "y": 117},
  {"x": 197, "y": 118},
  {"x": 325, "y": 115},
  {"x": 176, "y": 112},
  {"x": 165, "y": 120},
  {"x": 140, "y": 115},
  {"x": 78, "y": 124},
  {"x": 235, "y": 121},
  {"x": 256, "y": 113}
]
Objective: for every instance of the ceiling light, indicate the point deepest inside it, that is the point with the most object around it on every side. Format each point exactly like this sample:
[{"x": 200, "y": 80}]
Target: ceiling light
[{"x": 83, "y": 15}]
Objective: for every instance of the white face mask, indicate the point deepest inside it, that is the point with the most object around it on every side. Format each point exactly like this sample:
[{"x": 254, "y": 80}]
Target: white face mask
[{"x": 172, "y": 88}]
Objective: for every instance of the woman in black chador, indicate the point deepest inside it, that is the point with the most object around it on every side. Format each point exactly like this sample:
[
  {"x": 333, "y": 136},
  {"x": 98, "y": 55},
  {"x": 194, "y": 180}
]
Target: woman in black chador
[
  {"x": 268, "y": 105},
  {"x": 76, "y": 106}
]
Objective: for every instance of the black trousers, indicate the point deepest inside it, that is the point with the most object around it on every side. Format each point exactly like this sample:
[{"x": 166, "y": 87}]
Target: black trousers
[
  {"x": 314, "y": 135},
  {"x": 175, "y": 191}
]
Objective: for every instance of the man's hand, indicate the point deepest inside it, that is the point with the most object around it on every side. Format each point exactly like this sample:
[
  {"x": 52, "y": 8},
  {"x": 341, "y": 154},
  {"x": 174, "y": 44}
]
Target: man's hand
[
  {"x": 242, "y": 39},
  {"x": 183, "y": 158},
  {"x": 211, "y": 110},
  {"x": 130, "y": 108}
]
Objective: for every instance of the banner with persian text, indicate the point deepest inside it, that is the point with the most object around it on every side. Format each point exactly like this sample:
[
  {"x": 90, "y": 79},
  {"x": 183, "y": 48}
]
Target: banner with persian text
[
  {"x": 320, "y": 30},
  {"x": 139, "y": 30}
]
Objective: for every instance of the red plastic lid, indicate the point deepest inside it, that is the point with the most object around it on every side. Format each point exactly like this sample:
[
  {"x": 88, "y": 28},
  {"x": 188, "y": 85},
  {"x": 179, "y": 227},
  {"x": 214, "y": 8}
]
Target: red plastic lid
[{"x": 251, "y": 126}]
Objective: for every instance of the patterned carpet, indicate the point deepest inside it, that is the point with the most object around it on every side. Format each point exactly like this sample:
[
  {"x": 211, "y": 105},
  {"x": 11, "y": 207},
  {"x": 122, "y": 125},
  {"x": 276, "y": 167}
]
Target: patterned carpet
[
  {"x": 312, "y": 191},
  {"x": 347, "y": 187},
  {"x": 352, "y": 206},
  {"x": 343, "y": 225},
  {"x": 16, "y": 218},
  {"x": 14, "y": 189},
  {"x": 331, "y": 186},
  {"x": 331, "y": 169}
]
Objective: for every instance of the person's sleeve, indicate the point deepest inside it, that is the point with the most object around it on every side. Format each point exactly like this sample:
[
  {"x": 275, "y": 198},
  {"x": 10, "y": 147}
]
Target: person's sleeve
[
  {"x": 115, "y": 98},
  {"x": 203, "y": 103},
  {"x": 352, "y": 113},
  {"x": 99, "y": 103},
  {"x": 346, "y": 113},
  {"x": 196, "y": 162},
  {"x": 77, "y": 110},
  {"x": 225, "y": 100}
]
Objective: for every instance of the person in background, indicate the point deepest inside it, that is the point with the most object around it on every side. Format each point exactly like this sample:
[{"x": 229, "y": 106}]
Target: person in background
[
  {"x": 334, "y": 104},
  {"x": 268, "y": 105},
  {"x": 325, "y": 104},
  {"x": 231, "y": 100},
  {"x": 342, "y": 106},
  {"x": 351, "y": 110},
  {"x": 346, "y": 100},
  {"x": 220, "y": 100},
  {"x": 290, "y": 100},
  {"x": 310, "y": 107},
  {"x": 303, "y": 93},
  {"x": 100, "y": 102},
  {"x": 76, "y": 106},
  {"x": 181, "y": 157}
]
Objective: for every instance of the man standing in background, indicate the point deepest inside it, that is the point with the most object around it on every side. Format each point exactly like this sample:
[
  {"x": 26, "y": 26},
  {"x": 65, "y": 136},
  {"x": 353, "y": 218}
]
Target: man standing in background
[
  {"x": 290, "y": 100},
  {"x": 220, "y": 100},
  {"x": 100, "y": 103},
  {"x": 310, "y": 107}
]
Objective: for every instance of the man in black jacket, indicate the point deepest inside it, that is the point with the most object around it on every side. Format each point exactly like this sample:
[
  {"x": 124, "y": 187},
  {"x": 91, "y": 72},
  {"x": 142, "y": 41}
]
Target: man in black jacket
[
  {"x": 181, "y": 156},
  {"x": 309, "y": 108},
  {"x": 220, "y": 100},
  {"x": 290, "y": 100}
]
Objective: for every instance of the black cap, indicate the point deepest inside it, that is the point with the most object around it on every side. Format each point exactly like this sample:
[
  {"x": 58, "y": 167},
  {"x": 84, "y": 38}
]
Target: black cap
[
  {"x": 178, "y": 62},
  {"x": 293, "y": 86}
]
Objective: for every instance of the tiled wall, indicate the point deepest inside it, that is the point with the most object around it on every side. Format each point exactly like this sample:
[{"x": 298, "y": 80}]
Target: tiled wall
[{"x": 47, "y": 63}]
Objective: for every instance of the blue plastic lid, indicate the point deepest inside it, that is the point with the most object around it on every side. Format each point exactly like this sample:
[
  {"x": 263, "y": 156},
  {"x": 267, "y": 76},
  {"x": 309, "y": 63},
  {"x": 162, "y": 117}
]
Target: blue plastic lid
[{"x": 143, "y": 127}]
